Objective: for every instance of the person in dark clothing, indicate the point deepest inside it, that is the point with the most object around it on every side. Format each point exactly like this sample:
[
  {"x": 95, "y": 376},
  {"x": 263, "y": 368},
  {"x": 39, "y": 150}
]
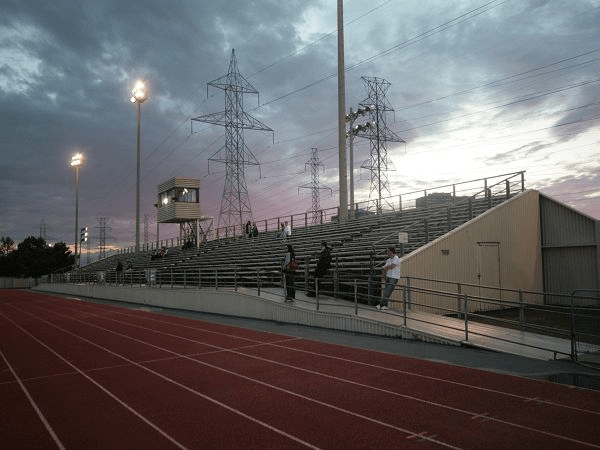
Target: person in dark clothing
[
  {"x": 323, "y": 265},
  {"x": 119, "y": 271},
  {"x": 288, "y": 268}
]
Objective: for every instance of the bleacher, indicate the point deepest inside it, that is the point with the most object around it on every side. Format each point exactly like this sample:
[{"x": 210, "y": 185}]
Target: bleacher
[{"x": 358, "y": 247}]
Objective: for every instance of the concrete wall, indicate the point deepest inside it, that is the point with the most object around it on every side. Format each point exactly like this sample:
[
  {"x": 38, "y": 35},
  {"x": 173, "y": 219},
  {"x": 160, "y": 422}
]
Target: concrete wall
[
  {"x": 17, "y": 283},
  {"x": 238, "y": 304}
]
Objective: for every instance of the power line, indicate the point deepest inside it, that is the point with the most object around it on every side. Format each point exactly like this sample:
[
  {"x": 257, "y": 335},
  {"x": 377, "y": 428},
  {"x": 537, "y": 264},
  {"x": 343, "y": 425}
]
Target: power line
[
  {"x": 325, "y": 36},
  {"x": 460, "y": 19}
]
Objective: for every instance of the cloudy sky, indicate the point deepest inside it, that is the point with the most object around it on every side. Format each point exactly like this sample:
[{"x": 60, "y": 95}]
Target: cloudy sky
[{"x": 479, "y": 88}]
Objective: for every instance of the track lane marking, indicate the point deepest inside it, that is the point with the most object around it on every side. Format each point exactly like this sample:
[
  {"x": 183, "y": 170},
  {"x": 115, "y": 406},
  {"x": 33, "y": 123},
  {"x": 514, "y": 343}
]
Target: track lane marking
[
  {"x": 375, "y": 366},
  {"x": 122, "y": 403},
  {"x": 268, "y": 385},
  {"x": 33, "y": 403},
  {"x": 431, "y": 403},
  {"x": 133, "y": 363}
]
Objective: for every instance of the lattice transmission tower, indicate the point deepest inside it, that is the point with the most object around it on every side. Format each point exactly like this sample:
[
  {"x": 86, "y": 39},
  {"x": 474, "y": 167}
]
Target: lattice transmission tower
[
  {"x": 378, "y": 133},
  {"x": 235, "y": 205},
  {"x": 43, "y": 229},
  {"x": 146, "y": 233},
  {"x": 314, "y": 186},
  {"x": 102, "y": 237}
]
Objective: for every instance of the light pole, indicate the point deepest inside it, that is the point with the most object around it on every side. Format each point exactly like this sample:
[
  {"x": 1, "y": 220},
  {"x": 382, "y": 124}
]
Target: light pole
[
  {"x": 76, "y": 161},
  {"x": 350, "y": 135},
  {"x": 138, "y": 96},
  {"x": 343, "y": 167}
]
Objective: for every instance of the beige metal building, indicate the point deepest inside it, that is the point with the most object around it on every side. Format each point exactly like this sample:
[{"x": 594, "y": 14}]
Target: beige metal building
[{"x": 530, "y": 243}]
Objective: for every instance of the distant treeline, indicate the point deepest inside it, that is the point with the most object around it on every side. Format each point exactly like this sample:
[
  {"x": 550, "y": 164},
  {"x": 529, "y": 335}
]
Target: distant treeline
[{"x": 33, "y": 257}]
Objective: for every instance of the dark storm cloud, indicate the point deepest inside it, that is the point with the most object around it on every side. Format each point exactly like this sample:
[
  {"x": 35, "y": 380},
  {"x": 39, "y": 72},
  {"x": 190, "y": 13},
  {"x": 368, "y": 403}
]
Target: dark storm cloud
[
  {"x": 86, "y": 55},
  {"x": 451, "y": 65}
]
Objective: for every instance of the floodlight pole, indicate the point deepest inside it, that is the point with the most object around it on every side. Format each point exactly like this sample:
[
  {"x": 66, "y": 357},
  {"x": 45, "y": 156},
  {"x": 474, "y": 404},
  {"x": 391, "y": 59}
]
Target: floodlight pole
[
  {"x": 138, "y": 96},
  {"x": 350, "y": 118},
  {"x": 76, "y": 214},
  {"x": 137, "y": 192},
  {"x": 76, "y": 162},
  {"x": 343, "y": 169}
]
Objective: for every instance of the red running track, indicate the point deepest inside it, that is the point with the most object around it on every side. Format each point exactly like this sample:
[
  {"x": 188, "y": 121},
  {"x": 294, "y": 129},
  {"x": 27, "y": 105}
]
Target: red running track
[{"x": 75, "y": 374}]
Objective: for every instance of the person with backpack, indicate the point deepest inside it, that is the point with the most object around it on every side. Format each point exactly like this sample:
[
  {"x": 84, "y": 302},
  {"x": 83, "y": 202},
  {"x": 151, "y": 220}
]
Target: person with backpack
[
  {"x": 288, "y": 269},
  {"x": 323, "y": 266}
]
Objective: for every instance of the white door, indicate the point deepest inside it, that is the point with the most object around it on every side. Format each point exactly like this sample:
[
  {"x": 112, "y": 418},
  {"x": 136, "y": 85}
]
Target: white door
[{"x": 488, "y": 266}]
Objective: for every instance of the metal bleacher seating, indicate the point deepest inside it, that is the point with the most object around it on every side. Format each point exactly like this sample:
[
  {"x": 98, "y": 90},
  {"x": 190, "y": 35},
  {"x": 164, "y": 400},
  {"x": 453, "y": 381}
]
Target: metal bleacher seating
[{"x": 357, "y": 247}]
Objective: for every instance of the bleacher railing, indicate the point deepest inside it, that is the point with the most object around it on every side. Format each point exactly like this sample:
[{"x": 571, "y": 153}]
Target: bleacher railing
[
  {"x": 457, "y": 307},
  {"x": 501, "y": 186},
  {"x": 481, "y": 187}
]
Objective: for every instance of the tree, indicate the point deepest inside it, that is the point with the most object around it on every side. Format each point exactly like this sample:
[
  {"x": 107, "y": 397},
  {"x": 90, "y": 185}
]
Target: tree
[
  {"x": 31, "y": 261},
  {"x": 59, "y": 257},
  {"x": 7, "y": 245},
  {"x": 34, "y": 258}
]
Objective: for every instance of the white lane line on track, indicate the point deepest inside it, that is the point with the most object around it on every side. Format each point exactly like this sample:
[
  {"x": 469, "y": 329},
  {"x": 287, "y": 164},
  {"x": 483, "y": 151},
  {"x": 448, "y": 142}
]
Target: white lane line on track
[
  {"x": 375, "y": 366},
  {"x": 126, "y": 406},
  {"x": 34, "y": 405},
  {"x": 133, "y": 363},
  {"x": 468, "y": 413},
  {"x": 118, "y": 366},
  {"x": 268, "y": 385}
]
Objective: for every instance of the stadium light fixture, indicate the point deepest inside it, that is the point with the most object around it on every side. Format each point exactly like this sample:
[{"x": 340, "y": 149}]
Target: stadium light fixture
[
  {"x": 350, "y": 118},
  {"x": 76, "y": 161},
  {"x": 139, "y": 95}
]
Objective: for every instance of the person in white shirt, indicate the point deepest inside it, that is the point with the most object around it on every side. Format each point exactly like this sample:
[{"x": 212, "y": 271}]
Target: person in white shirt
[
  {"x": 391, "y": 275},
  {"x": 287, "y": 231}
]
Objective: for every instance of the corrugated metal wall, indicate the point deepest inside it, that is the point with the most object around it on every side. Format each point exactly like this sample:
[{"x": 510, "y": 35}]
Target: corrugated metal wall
[
  {"x": 501, "y": 248},
  {"x": 569, "y": 250},
  {"x": 179, "y": 211}
]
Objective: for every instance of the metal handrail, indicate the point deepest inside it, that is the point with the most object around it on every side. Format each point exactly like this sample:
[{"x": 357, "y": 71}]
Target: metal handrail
[
  {"x": 302, "y": 220},
  {"x": 440, "y": 211},
  {"x": 403, "y": 301},
  {"x": 573, "y": 333}
]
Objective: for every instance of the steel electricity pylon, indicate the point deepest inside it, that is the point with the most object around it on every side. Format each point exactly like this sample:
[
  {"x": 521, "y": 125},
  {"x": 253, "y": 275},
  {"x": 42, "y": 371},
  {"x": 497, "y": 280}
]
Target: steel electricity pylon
[
  {"x": 235, "y": 205},
  {"x": 314, "y": 185},
  {"x": 102, "y": 238},
  {"x": 379, "y": 134}
]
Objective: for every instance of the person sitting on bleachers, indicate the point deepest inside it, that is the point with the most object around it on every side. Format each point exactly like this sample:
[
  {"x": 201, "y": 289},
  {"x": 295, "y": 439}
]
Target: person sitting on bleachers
[{"x": 161, "y": 254}]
